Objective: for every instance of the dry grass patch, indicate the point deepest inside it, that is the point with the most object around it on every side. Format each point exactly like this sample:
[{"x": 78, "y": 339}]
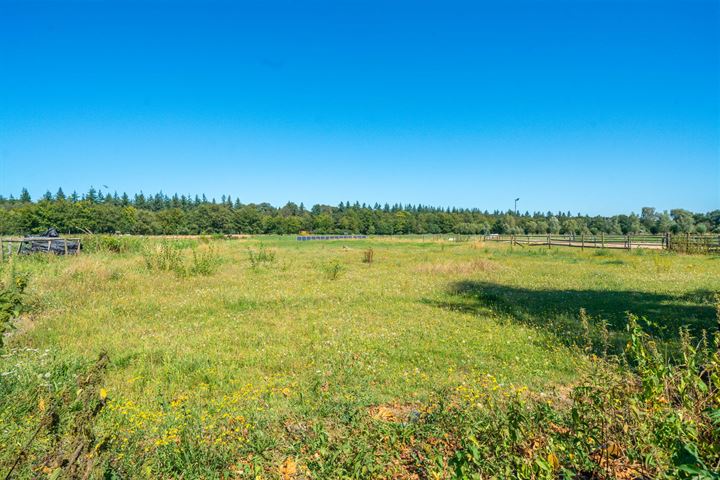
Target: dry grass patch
[
  {"x": 459, "y": 268},
  {"x": 394, "y": 412}
]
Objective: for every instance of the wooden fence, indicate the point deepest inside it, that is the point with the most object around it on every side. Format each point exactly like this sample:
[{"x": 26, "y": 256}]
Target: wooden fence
[
  {"x": 63, "y": 246},
  {"x": 685, "y": 243}
]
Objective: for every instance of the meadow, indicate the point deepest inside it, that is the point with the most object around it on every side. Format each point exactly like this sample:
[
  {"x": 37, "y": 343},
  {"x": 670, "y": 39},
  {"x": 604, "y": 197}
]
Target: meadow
[{"x": 264, "y": 357}]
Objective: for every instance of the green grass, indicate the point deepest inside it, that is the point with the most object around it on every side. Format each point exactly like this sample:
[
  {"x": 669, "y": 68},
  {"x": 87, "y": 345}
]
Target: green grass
[{"x": 252, "y": 362}]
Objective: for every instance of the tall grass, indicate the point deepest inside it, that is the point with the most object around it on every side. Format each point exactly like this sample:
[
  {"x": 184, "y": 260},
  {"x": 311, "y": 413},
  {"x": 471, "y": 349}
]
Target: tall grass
[
  {"x": 12, "y": 287},
  {"x": 169, "y": 258},
  {"x": 112, "y": 243},
  {"x": 260, "y": 256}
]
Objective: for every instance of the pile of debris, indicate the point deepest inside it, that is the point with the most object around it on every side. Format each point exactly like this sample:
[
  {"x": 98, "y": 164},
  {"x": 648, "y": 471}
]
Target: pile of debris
[{"x": 49, "y": 242}]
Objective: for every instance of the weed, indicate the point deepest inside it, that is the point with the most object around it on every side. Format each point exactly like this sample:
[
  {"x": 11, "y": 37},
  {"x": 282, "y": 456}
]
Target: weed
[
  {"x": 261, "y": 256},
  {"x": 167, "y": 257},
  {"x": 586, "y": 335},
  {"x": 204, "y": 262},
  {"x": 163, "y": 257},
  {"x": 333, "y": 269},
  {"x": 11, "y": 298},
  {"x": 662, "y": 263},
  {"x": 368, "y": 256}
]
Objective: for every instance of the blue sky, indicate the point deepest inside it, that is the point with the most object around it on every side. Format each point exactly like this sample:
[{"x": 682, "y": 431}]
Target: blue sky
[{"x": 591, "y": 106}]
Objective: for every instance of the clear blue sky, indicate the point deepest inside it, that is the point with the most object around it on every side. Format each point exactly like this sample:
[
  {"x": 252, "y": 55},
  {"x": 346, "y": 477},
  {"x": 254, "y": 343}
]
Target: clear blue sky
[{"x": 591, "y": 106}]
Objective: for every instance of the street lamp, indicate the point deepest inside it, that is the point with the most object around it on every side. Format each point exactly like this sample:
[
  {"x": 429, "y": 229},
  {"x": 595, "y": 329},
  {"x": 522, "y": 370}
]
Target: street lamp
[{"x": 516, "y": 200}]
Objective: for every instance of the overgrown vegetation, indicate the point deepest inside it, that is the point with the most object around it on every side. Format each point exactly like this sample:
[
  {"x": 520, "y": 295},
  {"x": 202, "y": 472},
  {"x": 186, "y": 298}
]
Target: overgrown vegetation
[
  {"x": 12, "y": 287},
  {"x": 444, "y": 360},
  {"x": 170, "y": 257},
  {"x": 112, "y": 243},
  {"x": 654, "y": 419},
  {"x": 260, "y": 256},
  {"x": 333, "y": 269}
]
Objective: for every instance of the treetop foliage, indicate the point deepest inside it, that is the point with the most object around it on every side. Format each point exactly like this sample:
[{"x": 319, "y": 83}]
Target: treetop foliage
[{"x": 100, "y": 212}]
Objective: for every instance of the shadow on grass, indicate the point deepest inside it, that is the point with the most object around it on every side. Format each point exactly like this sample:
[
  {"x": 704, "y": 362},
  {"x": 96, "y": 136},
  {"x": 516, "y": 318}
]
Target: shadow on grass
[{"x": 557, "y": 311}]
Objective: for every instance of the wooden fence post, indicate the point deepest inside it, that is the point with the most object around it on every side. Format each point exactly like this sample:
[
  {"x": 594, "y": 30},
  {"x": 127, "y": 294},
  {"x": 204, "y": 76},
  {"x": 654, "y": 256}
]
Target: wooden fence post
[
  {"x": 582, "y": 240},
  {"x": 602, "y": 239}
]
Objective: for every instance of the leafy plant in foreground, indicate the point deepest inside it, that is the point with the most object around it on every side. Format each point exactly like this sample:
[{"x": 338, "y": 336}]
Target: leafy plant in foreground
[{"x": 11, "y": 298}]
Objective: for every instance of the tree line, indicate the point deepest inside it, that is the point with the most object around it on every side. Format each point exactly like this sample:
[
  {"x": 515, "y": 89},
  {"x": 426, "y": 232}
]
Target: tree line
[{"x": 160, "y": 214}]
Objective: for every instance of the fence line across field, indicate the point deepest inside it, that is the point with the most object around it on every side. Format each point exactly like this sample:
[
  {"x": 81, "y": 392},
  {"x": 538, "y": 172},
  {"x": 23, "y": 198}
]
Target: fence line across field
[
  {"x": 680, "y": 242},
  {"x": 9, "y": 246}
]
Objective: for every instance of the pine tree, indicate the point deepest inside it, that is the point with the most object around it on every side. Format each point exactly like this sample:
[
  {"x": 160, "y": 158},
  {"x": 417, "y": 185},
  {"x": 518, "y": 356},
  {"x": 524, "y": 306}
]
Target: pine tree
[{"x": 91, "y": 195}]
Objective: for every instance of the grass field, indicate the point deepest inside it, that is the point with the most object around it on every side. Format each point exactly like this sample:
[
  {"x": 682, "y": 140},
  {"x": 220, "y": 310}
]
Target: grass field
[{"x": 268, "y": 357}]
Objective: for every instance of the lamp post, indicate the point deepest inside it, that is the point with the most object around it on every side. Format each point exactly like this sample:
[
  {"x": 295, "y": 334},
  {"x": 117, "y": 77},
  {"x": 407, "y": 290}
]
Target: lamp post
[{"x": 516, "y": 200}]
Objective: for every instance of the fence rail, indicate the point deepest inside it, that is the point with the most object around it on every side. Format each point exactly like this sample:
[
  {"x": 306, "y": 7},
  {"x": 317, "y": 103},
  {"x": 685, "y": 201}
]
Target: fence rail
[
  {"x": 304, "y": 238},
  {"x": 685, "y": 243},
  {"x": 60, "y": 246}
]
